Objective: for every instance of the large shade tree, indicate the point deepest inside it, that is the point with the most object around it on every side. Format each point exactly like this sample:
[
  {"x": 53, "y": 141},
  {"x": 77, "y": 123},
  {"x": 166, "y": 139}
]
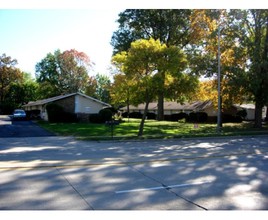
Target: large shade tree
[
  {"x": 63, "y": 72},
  {"x": 8, "y": 74},
  {"x": 139, "y": 64},
  {"x": 170, "y": 26},
  {"x": 254, "y": 38},
  {"x": 142, "y": 63},
  {"x": 11, "y": 79},
  {"x": 22, "y": 91},
  {"x": 243, "y": 53}
]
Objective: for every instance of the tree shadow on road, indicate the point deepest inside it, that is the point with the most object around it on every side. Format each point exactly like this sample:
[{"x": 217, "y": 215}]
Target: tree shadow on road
[{"x": 160, "y": 175}]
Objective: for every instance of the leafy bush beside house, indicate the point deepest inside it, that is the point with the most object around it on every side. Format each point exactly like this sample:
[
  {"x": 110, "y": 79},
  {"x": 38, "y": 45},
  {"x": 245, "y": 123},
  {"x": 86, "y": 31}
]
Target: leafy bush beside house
[{"x": 105, "y": 114}]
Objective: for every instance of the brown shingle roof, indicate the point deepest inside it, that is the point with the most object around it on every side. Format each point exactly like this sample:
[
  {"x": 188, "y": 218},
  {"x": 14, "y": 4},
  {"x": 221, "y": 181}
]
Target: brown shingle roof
[{"x": 194, "y": 106}]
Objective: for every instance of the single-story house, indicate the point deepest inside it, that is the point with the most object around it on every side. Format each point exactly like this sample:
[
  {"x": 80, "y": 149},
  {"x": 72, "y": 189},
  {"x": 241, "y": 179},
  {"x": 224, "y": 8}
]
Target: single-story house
[
  {"x": 175, "y": 107},
  {"x": 196, "y": 106},
  {"x": 77, "y": 103},
  {"x": 250, "y": 109}
]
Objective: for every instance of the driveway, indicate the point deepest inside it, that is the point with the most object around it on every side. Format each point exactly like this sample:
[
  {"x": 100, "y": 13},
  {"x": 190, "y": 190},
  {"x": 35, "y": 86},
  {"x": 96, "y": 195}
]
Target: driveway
[
  {"x": 9, "y": 128},
  {"x": 61, "y": 173}
]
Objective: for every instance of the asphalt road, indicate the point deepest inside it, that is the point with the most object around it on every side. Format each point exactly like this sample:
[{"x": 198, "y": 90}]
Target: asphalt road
[
  {"x": 61, "y": 173},
  {"x": 10, "y": 128}
]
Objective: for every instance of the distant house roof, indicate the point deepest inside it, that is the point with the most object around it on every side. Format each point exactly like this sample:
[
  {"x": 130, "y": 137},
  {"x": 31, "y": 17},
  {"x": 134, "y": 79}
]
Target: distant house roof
[
  {"x": 194, "y": 106},
  {"x": 52, "y": 99},
  {"x": 245, "y": 106}
]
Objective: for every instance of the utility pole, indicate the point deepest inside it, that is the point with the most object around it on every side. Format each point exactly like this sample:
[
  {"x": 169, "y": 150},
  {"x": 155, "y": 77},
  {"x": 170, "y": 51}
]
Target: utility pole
[{"x": 219, "y": 119}]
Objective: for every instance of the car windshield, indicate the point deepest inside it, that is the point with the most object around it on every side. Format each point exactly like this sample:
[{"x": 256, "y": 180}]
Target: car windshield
[{"x": 18, "y": 112}]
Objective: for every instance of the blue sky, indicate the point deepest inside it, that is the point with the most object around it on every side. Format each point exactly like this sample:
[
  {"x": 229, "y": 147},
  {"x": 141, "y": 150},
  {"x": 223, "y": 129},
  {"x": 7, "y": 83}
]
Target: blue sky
[
  {"x": 28, "y": 35},
  {"x": 32, "y": 28}
]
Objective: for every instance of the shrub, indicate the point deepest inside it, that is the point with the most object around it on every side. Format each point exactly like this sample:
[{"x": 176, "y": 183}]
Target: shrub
[
  {"x": 238, "y": 119},
  {"x": 192, "y": 117},
  {"x": 135, "y": 115},
  {"x": 124, "y": 114},
  {"x": 7, "y": 108},
  {"x": 167, "y": 117},
  {"x": 105, "y": 114},
  {"x": 95, "y": 118},
  {"x": 198, "y": 117},
  {"x": 179, "y": 116},
  {"x": 242, "y": 113},
  {"x": 151, "y": 115},
  {"x": 227, "y": 118},
  {"x": 201, "y": 116},
  {"x": 112, "y": 109}
]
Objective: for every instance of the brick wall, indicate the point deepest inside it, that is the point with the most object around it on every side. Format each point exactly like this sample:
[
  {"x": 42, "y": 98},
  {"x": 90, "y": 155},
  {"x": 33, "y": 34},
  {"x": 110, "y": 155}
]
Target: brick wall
[{"x": 68, "y": 104}]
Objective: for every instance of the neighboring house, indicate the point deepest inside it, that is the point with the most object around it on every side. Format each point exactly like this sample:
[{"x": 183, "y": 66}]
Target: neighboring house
[
  {"x": 175, "y": 107},
  {"x": 77, "y": 103},
  {"x": 250, "y": 109},
  {"x": 197, "y": 106}
]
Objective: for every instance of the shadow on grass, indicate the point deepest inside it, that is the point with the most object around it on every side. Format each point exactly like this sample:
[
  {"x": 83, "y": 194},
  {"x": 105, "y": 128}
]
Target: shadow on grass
[{"x": 152, "y": 130}]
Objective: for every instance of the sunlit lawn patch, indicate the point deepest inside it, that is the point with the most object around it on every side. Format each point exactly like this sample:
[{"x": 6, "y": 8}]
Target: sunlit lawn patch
[{"x": 152, "y": 129}]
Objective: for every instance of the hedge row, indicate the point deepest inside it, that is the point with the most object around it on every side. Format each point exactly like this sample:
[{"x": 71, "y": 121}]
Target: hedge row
[
  {"x": 103, "y": 116},
  {"x": 192, "y": 117}
]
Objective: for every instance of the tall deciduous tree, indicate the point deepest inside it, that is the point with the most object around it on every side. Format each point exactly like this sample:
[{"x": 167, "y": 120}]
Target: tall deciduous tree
[
  {"x": 140, "y": 65},
  {"x": 91, "y": 87},
  {"x": 206, "y": 46},
  {"x": 8, "y": 74},
  {"x": 122, "y": 91},
  {"x": 244, "y": 50},
  {"x": 22, "y": 92},
  {"x": 73, "y": 67},
  {"x": 207, "y": 90},
  {"x": 255, "y": 40},
  {"x": 103, "y": 88},
  {"x": 143, "y": 64},
  {"x": 171, "y": 27},
  {"x": 47, "y": 75},
  {"x": 65, "y": 72}
]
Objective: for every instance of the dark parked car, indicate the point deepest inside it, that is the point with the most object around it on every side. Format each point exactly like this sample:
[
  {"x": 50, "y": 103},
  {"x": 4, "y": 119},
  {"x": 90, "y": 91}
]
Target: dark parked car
[{"x": 19, "y": 114}]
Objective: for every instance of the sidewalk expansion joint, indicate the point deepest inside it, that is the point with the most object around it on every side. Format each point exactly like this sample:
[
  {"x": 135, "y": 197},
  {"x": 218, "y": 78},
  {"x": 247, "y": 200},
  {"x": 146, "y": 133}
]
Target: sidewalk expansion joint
[{"x": 79, "y": 194}]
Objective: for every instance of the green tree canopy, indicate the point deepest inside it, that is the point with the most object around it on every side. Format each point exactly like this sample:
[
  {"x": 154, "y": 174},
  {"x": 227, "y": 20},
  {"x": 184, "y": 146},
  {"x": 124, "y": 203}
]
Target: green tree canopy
[
  {"x": 252, "y": 31},
  {"x": 22, "y": 92},
  {"x": 63, "y": 72},
  {"x": 142, "y": 65},
  {"x": 243, "y": 52},
  {"x": 8, "y": 74},
  {"x": 170, "y": 26},
  {"x": 139, "y": 64},
  {"x": 103, "y": 88}
]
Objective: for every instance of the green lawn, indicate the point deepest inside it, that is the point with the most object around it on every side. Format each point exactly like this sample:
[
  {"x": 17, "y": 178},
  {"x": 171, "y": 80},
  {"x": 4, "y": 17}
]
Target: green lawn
[{"x": 152, "y": 129}]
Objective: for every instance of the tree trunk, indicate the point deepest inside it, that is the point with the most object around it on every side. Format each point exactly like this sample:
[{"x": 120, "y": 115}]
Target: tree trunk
[
  {"x": 258, "y": 114},
  {"x": 140, "y": 133},
  {"x": 160, "y": 107},
  {"x": 160, "y": 104},
  {"x": 143, "y": 117},
  {"x": 128, "y": 109}
]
